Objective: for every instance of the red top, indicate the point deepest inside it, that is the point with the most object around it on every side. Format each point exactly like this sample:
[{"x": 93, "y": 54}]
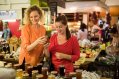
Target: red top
[{"x": 70, "y": 47}]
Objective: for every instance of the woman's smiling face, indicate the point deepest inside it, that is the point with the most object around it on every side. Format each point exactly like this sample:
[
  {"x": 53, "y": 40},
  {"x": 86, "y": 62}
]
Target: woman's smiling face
[
  {"x": 60, "y": 27},
  {"x": 34, "y": 17}
]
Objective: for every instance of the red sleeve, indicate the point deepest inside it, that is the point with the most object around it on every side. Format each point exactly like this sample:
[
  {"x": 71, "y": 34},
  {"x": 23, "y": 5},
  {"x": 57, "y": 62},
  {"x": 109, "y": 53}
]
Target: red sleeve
[{"x": 76, "y": 49}]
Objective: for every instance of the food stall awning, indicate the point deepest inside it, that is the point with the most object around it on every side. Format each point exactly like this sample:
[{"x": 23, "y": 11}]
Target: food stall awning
[{"x": 83, "y": 6}]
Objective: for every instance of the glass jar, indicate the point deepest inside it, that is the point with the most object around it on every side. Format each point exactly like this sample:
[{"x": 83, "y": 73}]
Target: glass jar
[
  {"x": 34, "y": 73},
  {"x": 45, "y": 72},
  {"x": 19, "y": 73},
  {"x": 39, "y": 67},
  {"x": 72, "y": 75},
  {"x": 51, "y": 76},
  {"x": 29, "y": 70},
  {"x": 54, "y": 73},
  {"x": 25, "y": 76},
  {"x": 61, "y": 70},
  {"x": 79, "y": 73}
]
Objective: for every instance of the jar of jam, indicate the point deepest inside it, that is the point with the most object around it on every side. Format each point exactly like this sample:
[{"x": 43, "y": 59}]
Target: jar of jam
[
  {"x": 45, "y": 72},
  {"x": 54, "y": 73},
  {"x": 72, "y": 75},
  {"x": 39, "y": 67},
  {"x": 19, "y": 73},
  {"x": 61, "y": 70},
  {"x": 51, "y": 76},
  {"x": 29, "y": 70},
  {"x": 79, "y": 73},
  {"x": 25, "y": 76},
  {"x": 34, "y": 73},
  {"x": 39, "y": 76}
]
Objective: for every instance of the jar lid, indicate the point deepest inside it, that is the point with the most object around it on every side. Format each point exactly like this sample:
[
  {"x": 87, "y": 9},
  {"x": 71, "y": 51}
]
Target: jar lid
[
  {"x": 35, "y": 71},
  {"x": 79, "y": 70},
  {"x": 53, "y": 72},
  {"x": 72, "y": 73},
  {"x": 25, "y": 74},
  {"x": 39, "y": 76},
  {"x": 18, "y": 70},
  {"x": 51, "y": 76}
]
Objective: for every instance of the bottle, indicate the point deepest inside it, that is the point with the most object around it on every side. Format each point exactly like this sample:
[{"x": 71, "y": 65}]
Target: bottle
[
  {"x": 34, "y": 73},
  {"x": 39, "y": 76},
  {"x": 45, "y": 72},
  {"x": 39, "y": 67},
  {"x": 29, "y": 70},
  {"x": 61, "y": 70}
]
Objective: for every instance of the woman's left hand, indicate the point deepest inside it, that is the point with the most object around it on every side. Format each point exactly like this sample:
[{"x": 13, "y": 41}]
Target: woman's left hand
[
  {"x": 59, "y": 55},
  {"x": 62, "y": 56}
]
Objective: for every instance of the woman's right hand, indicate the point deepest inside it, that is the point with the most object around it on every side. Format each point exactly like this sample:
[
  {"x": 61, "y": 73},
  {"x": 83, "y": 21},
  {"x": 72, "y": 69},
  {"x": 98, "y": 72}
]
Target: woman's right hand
[{"x": 41, "y": 40}]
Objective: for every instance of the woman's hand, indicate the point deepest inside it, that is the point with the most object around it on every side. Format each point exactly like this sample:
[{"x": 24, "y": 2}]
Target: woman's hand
[
  {"x": 41, "y": 40},
  {"x": 59, "y": 55},
  {"x": 62, "y": 56}
]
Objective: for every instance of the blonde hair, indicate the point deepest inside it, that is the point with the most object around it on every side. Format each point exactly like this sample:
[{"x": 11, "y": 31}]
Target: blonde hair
[{"x": 26, "y": 19}]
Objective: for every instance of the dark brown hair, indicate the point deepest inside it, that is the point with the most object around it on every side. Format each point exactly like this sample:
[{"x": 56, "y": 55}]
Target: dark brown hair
[{"x": 63, "y": 20}]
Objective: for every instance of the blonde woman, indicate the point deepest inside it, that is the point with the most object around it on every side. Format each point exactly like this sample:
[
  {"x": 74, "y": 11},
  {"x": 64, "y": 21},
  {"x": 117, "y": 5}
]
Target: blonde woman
[{"x": 32, "y": 37}]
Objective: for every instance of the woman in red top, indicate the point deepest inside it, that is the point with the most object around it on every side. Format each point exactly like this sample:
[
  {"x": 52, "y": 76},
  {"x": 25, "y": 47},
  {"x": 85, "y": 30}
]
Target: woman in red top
[{"x": 64, "y": 47}]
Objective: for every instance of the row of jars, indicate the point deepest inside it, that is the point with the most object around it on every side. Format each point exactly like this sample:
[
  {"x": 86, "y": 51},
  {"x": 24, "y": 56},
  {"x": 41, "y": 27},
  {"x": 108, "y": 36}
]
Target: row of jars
[
  {"x": 53, "y": 75},
  {"x": 40, "y": 72}
]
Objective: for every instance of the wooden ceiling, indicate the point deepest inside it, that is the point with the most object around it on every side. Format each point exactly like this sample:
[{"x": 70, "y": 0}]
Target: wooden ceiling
[{"x": 80, "y": 0}]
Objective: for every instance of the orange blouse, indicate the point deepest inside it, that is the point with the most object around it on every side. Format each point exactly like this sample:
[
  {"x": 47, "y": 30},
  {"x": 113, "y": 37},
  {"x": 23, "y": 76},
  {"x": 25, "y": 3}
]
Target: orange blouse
[{"x": 28, "y": 35}]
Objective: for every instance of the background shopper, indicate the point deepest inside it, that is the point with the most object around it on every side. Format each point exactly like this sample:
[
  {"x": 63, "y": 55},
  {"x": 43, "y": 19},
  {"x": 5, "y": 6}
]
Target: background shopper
[
  {"x": 82, "y": 32},
  {"x": 6, "y": 31}
]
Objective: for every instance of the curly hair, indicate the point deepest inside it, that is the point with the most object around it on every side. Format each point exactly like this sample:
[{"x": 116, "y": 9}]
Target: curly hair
[{"x": 26, "y": 19}]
